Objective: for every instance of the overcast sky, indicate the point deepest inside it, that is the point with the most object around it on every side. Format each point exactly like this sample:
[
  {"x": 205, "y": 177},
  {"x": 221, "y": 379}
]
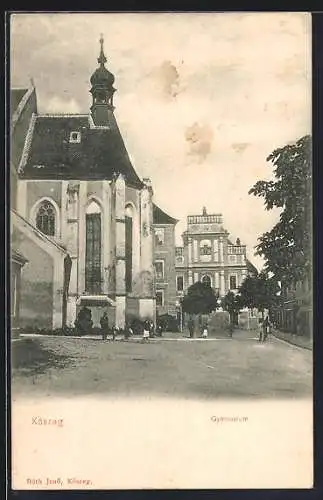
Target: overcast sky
[{"x": 201, "y": 100}]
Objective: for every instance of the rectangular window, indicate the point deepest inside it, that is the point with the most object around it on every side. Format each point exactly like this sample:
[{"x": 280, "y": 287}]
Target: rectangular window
[
  {"x": 180, "y": 283},
  {"x": 159, "y": 298},
  {"x": 159, "y": 236},
  {"x": 233, "y": 282},
  {"x": 205, "y": 250},
  {"x": 159, "y": 269},
  {"x": 75, "y": 137}
]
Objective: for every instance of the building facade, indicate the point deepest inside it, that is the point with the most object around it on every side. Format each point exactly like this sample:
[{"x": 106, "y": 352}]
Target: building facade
[
  {"x": 294, "y": 312},
  {"x": 164, "y": 262},
  {"x": 208, "y": 255},
  {"x": 81, "y": 208}
]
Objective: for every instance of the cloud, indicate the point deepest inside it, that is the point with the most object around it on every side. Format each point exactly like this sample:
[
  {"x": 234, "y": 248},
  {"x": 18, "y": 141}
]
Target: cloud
[
  {"x": 199, "y": 138},
  {"x": 167, "y": 78},
  {"x": 240, "y": 147}
]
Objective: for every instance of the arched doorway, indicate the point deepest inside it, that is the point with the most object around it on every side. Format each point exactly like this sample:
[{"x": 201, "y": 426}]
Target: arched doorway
[{"x": 206, "y": 280}]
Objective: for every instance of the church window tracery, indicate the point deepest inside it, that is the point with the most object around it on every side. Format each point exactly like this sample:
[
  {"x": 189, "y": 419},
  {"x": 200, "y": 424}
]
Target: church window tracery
[{"x": 46, "y": 218}]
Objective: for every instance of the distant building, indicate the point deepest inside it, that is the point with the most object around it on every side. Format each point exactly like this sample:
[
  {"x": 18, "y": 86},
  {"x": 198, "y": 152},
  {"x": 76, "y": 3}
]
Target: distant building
[
  {"x": 164, "y": 262},
  {"x": 294, "y": 313},
  {"x": 208, "y": 255}
]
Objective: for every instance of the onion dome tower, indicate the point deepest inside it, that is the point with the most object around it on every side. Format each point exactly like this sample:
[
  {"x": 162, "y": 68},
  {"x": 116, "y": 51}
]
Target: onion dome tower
[{"x": 102, "y": 91}]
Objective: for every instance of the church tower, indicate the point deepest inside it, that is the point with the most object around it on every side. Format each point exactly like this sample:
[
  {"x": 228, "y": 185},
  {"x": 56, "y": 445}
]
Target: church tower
[
  {"x": 93, "y": 207},
  {"x": 102, "y": 91}
]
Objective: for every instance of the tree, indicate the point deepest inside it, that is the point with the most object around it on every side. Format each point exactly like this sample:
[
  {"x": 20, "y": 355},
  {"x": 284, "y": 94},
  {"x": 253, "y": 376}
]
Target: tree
[
  {"x": 200, "y": 299},
  {"x": 287, "y": 247},
  {"x": 258, "y": 292}
]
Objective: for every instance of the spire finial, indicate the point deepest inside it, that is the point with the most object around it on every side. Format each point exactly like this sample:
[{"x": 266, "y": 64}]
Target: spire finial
[{"x": 102, "y": 59}]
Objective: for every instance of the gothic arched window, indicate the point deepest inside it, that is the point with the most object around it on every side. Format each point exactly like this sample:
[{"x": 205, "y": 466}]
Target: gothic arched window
[
  {"x": 129, "y": 246},
  {"x": 46, "y": 218},
  {"x": 93, "y": 249}
]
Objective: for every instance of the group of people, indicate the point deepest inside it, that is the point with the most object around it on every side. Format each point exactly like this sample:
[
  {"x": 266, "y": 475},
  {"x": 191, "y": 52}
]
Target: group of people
[
  {"x": 114, "y": 331},
  {"x": 148, "y": 329}
]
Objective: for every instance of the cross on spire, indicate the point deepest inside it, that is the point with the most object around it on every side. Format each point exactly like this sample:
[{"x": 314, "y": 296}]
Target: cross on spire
[{"x": 102, "y": 59}]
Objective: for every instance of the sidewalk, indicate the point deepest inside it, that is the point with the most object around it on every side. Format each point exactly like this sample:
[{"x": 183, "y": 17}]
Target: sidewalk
[
  {"x": 167, "y": 336},
  {"x": 298, "y": 340}
]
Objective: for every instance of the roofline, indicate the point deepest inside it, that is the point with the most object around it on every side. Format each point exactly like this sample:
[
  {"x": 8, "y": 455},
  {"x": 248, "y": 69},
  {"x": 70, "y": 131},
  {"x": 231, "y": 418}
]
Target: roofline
[
  {"x": 40, "y": 234},
  {"x": 21, "y": 106},
  {"x": 75, "y": 115},
  {"x": 219, "y": 214},
  {"x": 27, "y": 144},
  {"x": 165, "y": 224},
  {"x": 175, "y": 221},
  {"x": 62, "y": 115}
]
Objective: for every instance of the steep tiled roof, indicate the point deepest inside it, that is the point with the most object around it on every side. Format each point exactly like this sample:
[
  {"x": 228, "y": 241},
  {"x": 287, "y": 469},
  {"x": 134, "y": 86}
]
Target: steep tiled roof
[
  {"x": 99, "y": 154},
  {"x": 15, "y": 97},
  {"x": 251, "y": 268},
  {"x": 160, "y": 217}
]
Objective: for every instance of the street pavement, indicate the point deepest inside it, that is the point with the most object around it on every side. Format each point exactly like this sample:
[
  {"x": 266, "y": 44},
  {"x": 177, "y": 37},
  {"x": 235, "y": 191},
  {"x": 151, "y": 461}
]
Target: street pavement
[{"x": 173, "y": 365}]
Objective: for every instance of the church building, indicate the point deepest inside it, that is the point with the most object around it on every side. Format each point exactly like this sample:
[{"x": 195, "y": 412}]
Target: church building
[{"x": 82, "y": 219}]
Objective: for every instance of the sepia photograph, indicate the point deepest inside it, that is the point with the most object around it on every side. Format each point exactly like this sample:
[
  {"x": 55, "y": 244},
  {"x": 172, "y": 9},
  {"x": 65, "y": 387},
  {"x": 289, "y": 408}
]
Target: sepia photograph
[{"x": 160, "y": 175}]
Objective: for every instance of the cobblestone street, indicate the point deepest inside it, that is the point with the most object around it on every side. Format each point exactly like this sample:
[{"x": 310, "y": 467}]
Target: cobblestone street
[{"x": 215, "y": 368}]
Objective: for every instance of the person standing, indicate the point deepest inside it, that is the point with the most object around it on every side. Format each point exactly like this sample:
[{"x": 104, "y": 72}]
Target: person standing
[
  {"x": 159, "y": 330},
  {"x": 190, "y": 325},
  {"x": 266, "y": 328},
  {"x": 146, "y": 331},
  {"x": 115, "y": 331},
  {"x": 104, "y": 322},
  {"x": 204, "y": 332},
  {"x": 151, "y": 329},
  {"x": 261, "y": 329}
]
